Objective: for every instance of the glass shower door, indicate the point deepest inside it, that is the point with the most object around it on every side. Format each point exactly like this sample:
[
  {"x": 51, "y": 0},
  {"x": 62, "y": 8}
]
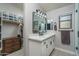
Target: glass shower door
[{"x": 77, "y": 28}]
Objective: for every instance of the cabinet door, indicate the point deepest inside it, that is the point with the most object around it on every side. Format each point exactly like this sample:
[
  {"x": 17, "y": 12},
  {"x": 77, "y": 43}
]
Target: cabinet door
[
  {"x": 53, "y": 38},
  {"x": 44, "y": 48},
  {"x": 48, "y": 47},
  {"x": 51, "y": 44}
]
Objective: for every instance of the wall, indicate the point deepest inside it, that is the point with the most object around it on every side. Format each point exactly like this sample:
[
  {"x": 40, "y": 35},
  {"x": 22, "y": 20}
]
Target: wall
[
  {"x": 77, "y": 27},
  {"x": 11, "y": 7},
  {"x": 10, "y": 30},
  {"x": 28, "y": 9},
  {"x": 54, "y": 15}
]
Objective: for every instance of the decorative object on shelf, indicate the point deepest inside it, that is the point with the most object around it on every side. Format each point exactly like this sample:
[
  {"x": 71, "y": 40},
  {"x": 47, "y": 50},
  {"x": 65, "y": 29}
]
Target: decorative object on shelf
[
  {"x": 20, "y": 29},
  {"x": 20, "y": 19},
  {"x": 15, "y": 17},
  {"x": 65, "y": 21},
  {"x": 10, "y": 16},
  {"x": 5, "y": 15},
  {"x": 55, "y": 26}
]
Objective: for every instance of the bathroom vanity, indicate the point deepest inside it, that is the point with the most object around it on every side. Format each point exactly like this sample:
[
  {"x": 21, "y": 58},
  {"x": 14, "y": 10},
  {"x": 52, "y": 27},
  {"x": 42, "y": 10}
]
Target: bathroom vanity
[{"x": 41, "y": 45}]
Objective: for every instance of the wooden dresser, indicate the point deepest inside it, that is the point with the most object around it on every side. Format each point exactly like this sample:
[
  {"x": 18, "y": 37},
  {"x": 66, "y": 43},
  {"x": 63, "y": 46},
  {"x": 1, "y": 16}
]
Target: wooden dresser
[{"x": 11, "y": 44}]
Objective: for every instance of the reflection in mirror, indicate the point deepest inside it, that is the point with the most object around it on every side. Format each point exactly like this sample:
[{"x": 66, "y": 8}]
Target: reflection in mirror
[
  {"x": 55, "y": 26},
  {"x": 39, "y": 23},
  {"x": 50, "y": 24}
]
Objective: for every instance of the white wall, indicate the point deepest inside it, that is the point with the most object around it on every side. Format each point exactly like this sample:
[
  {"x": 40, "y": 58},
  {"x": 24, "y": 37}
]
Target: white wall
[
  {"x": 28, "y": 9},
  {"x": 11, "y": 7},
  {"x": 54, "y": 14},
  {"x": 10, "y": 30}
]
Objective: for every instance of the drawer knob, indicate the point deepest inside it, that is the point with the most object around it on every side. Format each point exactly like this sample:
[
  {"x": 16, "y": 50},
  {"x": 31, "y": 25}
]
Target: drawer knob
[
  {"x": 76, "y": 48},
  {"x": 47, "y": 46},
  {"x": 50, "y": 42},
  {"x": 44, "y": 42}
]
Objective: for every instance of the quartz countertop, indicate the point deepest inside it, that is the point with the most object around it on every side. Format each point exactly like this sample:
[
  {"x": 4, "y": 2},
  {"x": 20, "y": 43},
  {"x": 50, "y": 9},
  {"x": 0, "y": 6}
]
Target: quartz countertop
[{"x": 37, "y": 37}]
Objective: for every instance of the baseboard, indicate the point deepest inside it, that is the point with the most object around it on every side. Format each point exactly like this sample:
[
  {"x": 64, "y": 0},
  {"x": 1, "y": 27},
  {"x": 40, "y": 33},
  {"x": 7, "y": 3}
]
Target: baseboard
[{"x": 67, "y": 51}]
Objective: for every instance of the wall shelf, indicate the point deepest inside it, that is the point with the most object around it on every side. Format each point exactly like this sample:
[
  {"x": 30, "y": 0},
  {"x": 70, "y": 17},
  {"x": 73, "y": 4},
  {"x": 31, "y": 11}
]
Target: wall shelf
[{"x": 11, "y": 22}]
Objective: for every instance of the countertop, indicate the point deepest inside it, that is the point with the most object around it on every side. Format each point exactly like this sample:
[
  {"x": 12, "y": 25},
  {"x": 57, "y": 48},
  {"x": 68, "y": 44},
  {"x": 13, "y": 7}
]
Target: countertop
[{"x": 37, "y": 37}]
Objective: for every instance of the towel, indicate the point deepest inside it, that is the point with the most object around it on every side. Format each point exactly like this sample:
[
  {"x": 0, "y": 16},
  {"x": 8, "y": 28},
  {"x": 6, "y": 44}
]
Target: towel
[{"x": 65, "y": 37}]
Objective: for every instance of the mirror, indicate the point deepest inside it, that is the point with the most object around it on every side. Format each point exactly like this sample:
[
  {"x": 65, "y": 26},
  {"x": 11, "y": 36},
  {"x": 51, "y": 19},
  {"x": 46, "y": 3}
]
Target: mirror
[
  {"x": 39, "y": 23},
  {"x": 65, "y": 21}
]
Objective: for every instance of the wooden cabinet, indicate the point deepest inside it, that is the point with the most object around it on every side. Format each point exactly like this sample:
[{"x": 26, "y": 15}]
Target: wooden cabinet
[
  {"x": 44, "y": 48},
  {"x": 11, "y": 44}
]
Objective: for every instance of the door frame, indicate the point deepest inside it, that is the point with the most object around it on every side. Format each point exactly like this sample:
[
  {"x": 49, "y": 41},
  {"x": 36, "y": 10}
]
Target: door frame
[{"x": 76, "y": 28}]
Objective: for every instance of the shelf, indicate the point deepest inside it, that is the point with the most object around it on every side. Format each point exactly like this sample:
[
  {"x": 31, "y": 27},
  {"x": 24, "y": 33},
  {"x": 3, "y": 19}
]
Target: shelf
[
  {"x": 10, "y": 21},
  {"x": 11, "y": 37}
]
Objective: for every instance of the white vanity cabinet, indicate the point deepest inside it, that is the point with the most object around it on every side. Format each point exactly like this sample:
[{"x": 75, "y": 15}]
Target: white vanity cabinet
[
  {"x": 48, "y": 46},
  {"x": 41, "y": 48}
]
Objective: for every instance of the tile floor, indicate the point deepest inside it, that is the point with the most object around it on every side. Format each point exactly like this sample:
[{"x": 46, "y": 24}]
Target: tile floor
[{"x": 60, "y": 53}]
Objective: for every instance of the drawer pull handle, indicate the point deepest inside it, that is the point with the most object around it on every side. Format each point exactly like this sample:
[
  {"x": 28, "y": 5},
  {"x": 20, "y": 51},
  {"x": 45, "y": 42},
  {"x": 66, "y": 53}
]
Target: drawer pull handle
[
  {"x": 46, "y": 46},
  {"x": 44, "y": 42},
  {"x": 50, "y": 42}
]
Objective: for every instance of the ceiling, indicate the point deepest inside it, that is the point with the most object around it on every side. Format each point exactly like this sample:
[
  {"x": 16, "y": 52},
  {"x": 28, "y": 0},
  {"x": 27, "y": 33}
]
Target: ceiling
[
  {"x": 51, "y": 6},
  {"x": 18, "y": 5},
  {"x": 45, "y": 6}
]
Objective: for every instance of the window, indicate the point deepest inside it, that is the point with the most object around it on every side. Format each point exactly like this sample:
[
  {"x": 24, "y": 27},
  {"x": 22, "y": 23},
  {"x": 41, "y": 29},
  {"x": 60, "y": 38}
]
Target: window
[{"x": 65, "y": 21}]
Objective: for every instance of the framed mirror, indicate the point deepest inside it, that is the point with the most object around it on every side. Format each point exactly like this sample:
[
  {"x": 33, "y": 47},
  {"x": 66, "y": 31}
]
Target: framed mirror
[
  {"x": 39, "y": 23},
  {"x": 65, "y": 21}
]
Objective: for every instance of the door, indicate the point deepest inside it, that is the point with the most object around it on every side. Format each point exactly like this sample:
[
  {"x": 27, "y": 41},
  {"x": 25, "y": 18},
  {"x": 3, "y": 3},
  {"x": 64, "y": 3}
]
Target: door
[{"x": 77, "y": 28}]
